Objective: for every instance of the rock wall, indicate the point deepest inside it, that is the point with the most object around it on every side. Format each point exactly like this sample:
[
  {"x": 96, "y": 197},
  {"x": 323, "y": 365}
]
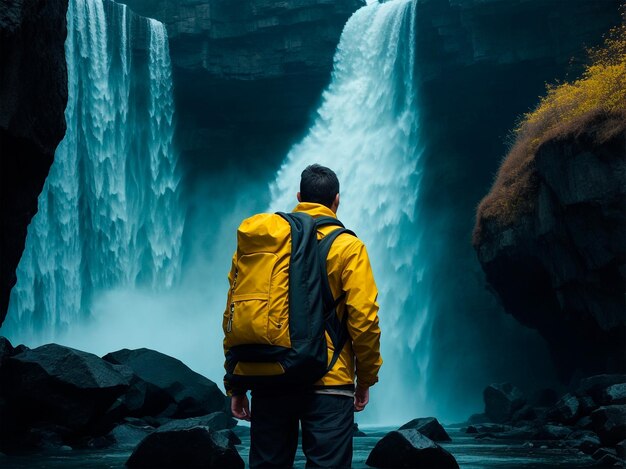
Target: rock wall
[
  {"x": 33, "y": 93},
  {"x": 483, "y": 64},
  {"x": 561, "y": 269}
]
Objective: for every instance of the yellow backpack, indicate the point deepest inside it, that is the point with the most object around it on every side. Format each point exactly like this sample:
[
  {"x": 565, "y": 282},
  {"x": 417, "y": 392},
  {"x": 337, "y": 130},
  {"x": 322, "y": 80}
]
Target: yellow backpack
[{"x": 280, "y": 304}]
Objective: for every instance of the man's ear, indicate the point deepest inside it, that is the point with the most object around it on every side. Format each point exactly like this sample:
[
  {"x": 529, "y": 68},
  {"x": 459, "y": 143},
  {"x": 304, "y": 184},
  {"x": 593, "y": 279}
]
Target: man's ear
[
  {"x": 335, "y": 204},
  {"x": 299, "y": 197}
]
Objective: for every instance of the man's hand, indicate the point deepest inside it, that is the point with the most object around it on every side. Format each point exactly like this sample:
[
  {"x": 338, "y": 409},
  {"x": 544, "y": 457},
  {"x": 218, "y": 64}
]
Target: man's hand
[
  {"x": 240, "y": 407},
  {"x": 361, "y": 398}
]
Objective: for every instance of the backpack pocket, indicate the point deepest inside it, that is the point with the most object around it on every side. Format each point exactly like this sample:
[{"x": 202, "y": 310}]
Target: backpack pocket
[{"x": 247, "y": 316}]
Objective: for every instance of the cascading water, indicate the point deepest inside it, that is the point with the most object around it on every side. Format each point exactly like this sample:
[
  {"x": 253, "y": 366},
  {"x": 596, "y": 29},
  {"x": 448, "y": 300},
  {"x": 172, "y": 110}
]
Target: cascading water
[
  {"x": 367, "y": 130},
  {"x": 109, "y": 213}
]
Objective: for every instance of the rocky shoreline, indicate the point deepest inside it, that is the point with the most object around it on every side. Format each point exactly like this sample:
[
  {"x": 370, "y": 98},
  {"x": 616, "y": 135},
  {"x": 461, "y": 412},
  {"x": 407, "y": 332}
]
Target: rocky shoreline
[{"x": 55, "y": 398}]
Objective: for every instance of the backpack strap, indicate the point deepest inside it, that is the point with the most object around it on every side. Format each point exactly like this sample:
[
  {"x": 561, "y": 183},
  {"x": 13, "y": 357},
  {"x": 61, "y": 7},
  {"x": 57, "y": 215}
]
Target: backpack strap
[{"x": 337, "y": 330}]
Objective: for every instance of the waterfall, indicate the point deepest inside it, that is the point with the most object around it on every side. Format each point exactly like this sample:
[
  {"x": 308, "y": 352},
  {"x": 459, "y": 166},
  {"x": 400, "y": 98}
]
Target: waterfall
[
  {"x": 367, "y": 130},
  {"x": 109, "y": 213}
]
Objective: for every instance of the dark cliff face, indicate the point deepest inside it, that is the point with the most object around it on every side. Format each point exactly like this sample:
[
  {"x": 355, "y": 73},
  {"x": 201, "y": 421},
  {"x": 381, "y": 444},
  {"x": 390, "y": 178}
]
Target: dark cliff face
[
  {"x": 247, "y": 74},
  {"x": 33, "y": 93},
  {"x": 483, "y": 64},
  {"x": 561, "y": 268}
]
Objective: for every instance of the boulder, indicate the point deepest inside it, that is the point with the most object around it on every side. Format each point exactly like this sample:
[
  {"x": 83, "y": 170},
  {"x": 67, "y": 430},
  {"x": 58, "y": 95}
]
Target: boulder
[
  {"x": 196, "y": 447},
  {"x": 609, "y": 422},
  {"x": 587, "y": 405},
  {"x": 552, "y": 432},
  {"x": 45, "y": 436},
  {"x": 61, "y": 385},
  {"x": 6, "y": 349},
  {"x": 228, "y": 436},
  {"x": 621, "y": 449},
  {"x": 518, "y": 433},
  {"x": 595, "y": 385},
  {"x": 585, "y": 423},
  {"x": 601, "y": 452},
  {"x": 488, "y": 428},
  {"x": 128, "y": 435},
  {"x": 409, "y": 449},
  {"x": 356, "y": 432},
  {"x": 609, "y": 460},
  {"x": 215, "y": 421},
  {"x": 586, "y": 441},
  {"x": 429, "y": 427},
  {"x": 525, "y": 414},
  {"x": 501, "y": 401},
  {"x": 566, "y": 410},
  {"x": 191, "y": 394},
  {"x": 614, "y": 394}
]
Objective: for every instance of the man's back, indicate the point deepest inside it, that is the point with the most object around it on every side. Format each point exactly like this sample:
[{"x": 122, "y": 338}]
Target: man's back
[{"x": 324, "y": 410}]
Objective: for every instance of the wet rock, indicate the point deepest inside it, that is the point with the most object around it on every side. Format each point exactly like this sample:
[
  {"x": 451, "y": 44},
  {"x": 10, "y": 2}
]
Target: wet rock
[
  {"x": 128, "y": 435},
  {"x": 196, "y": 447},
  {"x": 552, "y": 432},
  {"x": 61, "y": 385},
  {"x": 614, "y": 394},
  {"x": 522, "y": 433},
  {"x": 525, "y": 414},
  {"x": 488, "y": 428},
  {"x": 191, "y": 394},
  {"x": 6, "y": 349},
  {"x": 409, "y": 449},
  {"x": 429, "y": 427},
  {"x": 594, "y": 386},
  {"x": 501, "y": 401},
  {"x": 215, "y": 421},
  {"x": 566, "y": 410},
  {"x": 609, "y": 422},
  {"x": 609, "y": 460},
  {"x": 584, "y": 423},
  {"x": 586, "y": 441},
  {"x": 229, "y": 436},
  {"x": 587, "y": 405},
  {"x": 601, "y": 452},
  {"x": 356, "y": 432},
  {"x": 621, "y": 449},
  {"x": 45, "y": 436}
]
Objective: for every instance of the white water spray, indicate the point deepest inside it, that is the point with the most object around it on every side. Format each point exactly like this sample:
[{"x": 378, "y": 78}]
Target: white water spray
[
  {"x": 109, "y": 213},
  {"x": 367, "y": 130}
]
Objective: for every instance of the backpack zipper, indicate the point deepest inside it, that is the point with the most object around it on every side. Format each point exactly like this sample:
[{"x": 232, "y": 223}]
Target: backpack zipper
[{"x": 229, "y": 325}]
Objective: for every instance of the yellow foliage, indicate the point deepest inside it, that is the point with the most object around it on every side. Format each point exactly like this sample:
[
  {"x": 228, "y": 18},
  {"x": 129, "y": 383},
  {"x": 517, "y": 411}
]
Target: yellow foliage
[{"x": 564, "y": 110}]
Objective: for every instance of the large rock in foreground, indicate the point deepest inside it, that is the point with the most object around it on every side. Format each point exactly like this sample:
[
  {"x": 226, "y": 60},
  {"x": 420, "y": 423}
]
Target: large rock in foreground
[
  {"x": 194, "y": 447},
  {"x": 190, "y": 394},
  {"x": 429, "y": 427},
  {"x": 58, "y": 384},
  {"x": 409, "y": 449},
  {"x": 559, "y": 268}
]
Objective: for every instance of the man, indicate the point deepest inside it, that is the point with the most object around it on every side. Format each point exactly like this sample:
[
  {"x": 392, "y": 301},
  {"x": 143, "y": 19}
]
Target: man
[{"x": 326, "y": 410}]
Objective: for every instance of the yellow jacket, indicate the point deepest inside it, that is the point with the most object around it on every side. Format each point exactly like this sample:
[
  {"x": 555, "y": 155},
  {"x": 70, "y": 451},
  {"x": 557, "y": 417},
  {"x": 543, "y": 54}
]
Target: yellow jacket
[{"x": 350, "y": 273}]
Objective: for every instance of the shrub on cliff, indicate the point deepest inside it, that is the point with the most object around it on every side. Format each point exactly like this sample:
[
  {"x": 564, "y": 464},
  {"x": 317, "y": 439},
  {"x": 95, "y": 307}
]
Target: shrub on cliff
[{"x": 597, "y": 99}]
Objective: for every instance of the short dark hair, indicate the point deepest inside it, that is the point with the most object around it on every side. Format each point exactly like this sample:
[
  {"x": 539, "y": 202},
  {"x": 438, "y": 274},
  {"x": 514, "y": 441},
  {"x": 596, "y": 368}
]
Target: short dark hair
[{"x": 319, "y": 184}]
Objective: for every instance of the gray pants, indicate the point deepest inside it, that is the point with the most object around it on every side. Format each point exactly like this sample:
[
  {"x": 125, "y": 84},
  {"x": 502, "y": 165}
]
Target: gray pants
[{"x": 326, "y": 422}]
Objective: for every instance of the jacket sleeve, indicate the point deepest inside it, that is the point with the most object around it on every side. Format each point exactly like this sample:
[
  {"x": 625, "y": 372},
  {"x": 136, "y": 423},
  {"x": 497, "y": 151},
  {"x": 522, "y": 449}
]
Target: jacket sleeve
[{"x": 362, "y": 309}]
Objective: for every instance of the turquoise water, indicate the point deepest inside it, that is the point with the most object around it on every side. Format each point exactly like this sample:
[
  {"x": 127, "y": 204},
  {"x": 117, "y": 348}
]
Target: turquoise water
[{"x": 469, "y": 452}]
